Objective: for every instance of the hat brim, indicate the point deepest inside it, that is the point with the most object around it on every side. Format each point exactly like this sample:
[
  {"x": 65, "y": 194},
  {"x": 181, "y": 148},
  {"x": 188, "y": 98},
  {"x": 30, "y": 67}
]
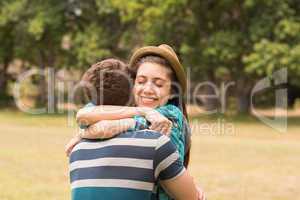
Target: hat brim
[{"x": 175, "y": 64}]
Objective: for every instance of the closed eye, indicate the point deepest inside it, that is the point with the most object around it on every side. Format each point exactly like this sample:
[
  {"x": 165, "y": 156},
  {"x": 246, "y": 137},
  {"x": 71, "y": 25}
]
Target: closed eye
[
  {"x": 140, "y": 80},
  {"x": 159, "y": 83}
]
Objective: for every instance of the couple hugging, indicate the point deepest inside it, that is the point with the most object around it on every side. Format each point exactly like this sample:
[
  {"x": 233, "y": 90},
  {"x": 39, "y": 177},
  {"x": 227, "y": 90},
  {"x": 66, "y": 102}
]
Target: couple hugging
[{"x": 139, "y": 150}]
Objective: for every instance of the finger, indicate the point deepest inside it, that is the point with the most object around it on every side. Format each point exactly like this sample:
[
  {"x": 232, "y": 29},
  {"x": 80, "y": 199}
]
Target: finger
[
  {"x": 201, "y": 193},
  {"x": 67, "y": 151},
  {"x": 154, "y": 126},
  {"x": 169, "y": 131},
  {"x": 164, "y": 131},
  {"x": 70, "y": 146},
  {"x": 157, "y": 129},
  {"x": 203, "y": 197},
  {"x": 67, "y": 147},
  {"x": 165, "y": 127}
]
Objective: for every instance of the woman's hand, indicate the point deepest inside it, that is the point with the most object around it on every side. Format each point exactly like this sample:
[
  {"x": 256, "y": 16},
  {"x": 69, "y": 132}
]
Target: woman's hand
[
  {"x": 159, "y": 122},
  {"x": 201, "y": 195},
  {"x": 71, "y": 144}
]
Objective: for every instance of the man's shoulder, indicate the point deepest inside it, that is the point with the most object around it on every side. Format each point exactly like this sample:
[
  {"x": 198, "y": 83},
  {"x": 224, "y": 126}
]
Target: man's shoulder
[{"x": 144, "y": 140}]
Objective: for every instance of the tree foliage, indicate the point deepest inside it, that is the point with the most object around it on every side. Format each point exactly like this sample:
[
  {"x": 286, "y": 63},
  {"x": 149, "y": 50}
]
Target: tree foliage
[{"x": 240, "y": 39}]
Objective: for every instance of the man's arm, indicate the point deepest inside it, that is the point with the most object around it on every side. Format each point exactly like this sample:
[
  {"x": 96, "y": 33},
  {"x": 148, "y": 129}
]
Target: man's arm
[{"x": 181, "y": 187}]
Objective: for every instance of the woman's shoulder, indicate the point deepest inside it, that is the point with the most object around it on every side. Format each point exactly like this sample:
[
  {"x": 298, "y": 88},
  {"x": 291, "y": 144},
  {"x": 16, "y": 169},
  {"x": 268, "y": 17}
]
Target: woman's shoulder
[
  {"x": 171, "y": 109},
  {"x": 173, "y": 113}
]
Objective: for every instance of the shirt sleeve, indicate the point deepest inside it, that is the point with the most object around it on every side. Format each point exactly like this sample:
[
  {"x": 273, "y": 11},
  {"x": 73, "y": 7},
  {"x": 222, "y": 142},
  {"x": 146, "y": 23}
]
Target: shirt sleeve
[
  {"x": 167, "y": 164},
  {"x": 174, "y": 114},
  {"x": 140, "y": 123}
]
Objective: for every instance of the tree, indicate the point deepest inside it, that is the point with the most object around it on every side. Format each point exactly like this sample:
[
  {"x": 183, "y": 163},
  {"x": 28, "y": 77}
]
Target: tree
[
  {"x": 100, "y": 29},
  {"x": 221, "y": 36},
  {"x": 44, "y": 27},
  {"x": 10, "y": 15},
  {"x": 281, "y": 50},
  {"x": 232, "y": 40}
]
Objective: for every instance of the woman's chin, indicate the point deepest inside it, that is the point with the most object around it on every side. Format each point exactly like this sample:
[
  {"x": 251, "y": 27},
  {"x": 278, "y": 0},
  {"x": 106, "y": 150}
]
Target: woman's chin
[{"x": 148, "y": 104}]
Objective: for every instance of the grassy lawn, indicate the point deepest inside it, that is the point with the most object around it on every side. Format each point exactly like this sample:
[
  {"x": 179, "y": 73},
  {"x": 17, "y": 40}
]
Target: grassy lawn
[{"x": 253, "y": 162}]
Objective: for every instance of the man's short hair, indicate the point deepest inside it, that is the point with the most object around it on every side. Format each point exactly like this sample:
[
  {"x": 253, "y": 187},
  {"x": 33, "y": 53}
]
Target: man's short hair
[{"x": 108, "y": 82}]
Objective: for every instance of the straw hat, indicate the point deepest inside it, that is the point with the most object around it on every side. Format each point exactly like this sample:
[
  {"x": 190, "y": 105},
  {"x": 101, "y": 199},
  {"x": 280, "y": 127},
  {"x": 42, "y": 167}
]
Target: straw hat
[{"x": 166, "y": 52}]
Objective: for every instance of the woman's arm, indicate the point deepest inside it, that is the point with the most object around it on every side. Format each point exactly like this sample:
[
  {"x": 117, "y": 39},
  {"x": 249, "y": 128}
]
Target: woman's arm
[
  {"x": 92, "y": 115},
  {"x": 101, "y": 130},
  {"x": 108, "y": 128},
  {"x": 182, "y": 187}
]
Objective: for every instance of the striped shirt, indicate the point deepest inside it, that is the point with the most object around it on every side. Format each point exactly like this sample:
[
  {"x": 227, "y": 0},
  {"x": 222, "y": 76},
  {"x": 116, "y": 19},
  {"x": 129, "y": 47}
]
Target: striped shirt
[{"x": 124, "y": 167}]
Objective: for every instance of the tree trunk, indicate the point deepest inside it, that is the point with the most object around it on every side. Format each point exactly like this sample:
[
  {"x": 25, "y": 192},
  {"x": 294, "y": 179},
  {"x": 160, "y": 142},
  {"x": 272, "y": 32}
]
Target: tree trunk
[
  {"x": 243, "y": 96},
  {"x": 5, "y": 98},
  {"x": 3, "y": 84},
  {"x": 210, "y": 104},
  {"x": 41, "y": 101},
  {"x": 243, "y": 103},
  {"x": 47, "y": 98}
]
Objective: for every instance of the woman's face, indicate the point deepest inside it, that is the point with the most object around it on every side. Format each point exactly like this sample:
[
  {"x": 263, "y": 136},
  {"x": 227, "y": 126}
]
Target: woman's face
[{"x": 152, "y": 86}]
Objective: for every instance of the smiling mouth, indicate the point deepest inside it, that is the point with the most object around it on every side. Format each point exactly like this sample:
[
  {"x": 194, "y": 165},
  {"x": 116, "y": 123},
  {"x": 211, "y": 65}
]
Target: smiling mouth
[{"x": 148, "y": 98}]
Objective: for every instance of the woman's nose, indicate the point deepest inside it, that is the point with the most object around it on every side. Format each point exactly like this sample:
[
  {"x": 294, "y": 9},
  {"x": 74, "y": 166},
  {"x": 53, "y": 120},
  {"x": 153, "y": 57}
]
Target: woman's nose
[{"x": 148, "y": 88}]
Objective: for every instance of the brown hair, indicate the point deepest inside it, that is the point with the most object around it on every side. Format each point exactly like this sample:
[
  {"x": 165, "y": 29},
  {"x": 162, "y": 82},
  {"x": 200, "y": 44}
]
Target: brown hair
[
  {"x": 108, "y": 82},
  {"x": 176, "y": 100}
]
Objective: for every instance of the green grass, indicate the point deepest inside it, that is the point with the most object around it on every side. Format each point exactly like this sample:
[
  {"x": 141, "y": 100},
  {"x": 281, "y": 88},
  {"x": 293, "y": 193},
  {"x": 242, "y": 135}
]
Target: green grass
[{"x": 255, "y": 162}]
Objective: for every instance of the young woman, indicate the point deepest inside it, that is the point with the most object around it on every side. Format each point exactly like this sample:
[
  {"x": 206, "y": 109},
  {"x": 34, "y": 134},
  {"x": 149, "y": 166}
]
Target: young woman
[{"x": 160, "y": 83}]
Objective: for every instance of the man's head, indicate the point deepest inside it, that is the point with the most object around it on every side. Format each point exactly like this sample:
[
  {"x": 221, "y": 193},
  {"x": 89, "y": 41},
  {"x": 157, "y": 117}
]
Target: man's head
[{"x": 108, "y": 82}]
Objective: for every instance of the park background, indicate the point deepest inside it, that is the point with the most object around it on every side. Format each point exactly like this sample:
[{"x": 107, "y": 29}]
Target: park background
[{"x": 218, "y": 41}]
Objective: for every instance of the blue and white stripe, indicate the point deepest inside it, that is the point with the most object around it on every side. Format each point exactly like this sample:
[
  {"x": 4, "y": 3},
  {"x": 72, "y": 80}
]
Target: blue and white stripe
[{"x": 132, "y": 162}]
